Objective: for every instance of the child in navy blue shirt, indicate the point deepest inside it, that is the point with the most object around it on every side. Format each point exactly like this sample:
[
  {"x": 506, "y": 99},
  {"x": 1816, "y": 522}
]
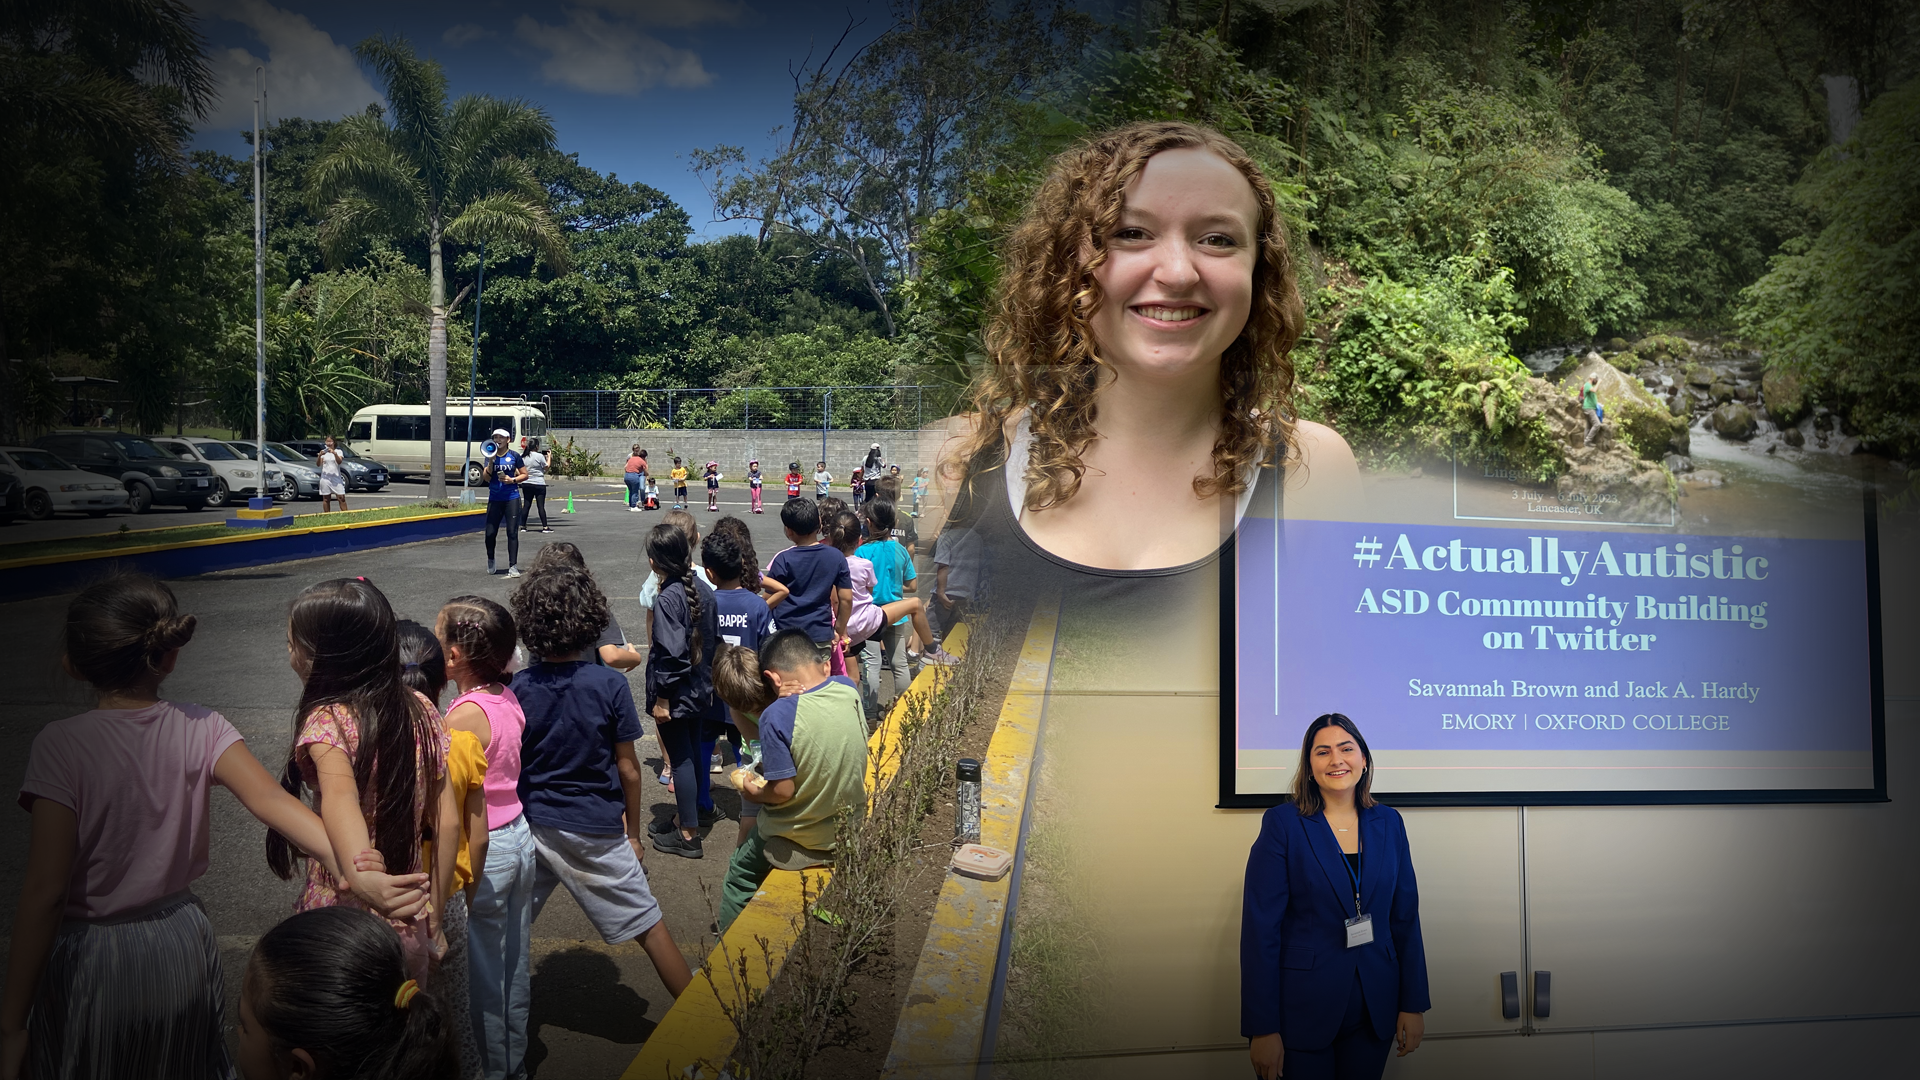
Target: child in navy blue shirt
[
  {"x": 819, "y": 590},
  {"x": 744, "y": 617},
  {"x": 680, "y": 684},
  {"x": 579, "y": 774}
]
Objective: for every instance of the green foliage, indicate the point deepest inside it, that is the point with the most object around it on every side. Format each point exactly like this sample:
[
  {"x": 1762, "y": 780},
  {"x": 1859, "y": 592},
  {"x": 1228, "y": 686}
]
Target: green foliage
[
  {"x": 1457, "y": 168},
  {"x": 1842, "y": 310},
  {"x": 721, "y": 369},
  {"x": 1412, "y": 370},
  {"x": 571, "y": 461}
]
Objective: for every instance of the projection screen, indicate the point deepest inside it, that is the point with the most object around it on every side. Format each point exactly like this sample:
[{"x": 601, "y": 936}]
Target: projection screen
[{"x": 1500, "y": 642}]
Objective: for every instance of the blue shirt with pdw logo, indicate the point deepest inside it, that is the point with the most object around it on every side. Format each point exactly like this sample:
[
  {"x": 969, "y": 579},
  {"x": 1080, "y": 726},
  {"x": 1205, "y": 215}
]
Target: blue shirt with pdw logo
[{"x": 506, "y": 463}]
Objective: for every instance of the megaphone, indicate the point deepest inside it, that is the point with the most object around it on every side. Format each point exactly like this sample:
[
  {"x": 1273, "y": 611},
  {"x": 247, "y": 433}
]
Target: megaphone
[{"x": 488, "y": 450}]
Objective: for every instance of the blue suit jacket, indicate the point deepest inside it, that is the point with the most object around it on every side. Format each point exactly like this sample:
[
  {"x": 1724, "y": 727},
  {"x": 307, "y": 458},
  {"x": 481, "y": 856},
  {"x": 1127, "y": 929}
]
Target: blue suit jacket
[{"x": 1296, "y": 972}]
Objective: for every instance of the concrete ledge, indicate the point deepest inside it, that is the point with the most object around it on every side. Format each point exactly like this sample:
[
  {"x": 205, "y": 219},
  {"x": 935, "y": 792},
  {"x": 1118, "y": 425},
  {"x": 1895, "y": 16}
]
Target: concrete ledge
[
  {"x": 50, "y": 575},
  {"x": 944, "y": 1024},
  {"x": 697, "y": 1035}
]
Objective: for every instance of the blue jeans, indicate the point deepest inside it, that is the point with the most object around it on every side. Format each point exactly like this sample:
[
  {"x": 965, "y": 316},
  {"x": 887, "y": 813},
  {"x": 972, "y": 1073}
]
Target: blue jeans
[
  {"x": 636, "y": 482},
  {"x": 499, "y": 934}
]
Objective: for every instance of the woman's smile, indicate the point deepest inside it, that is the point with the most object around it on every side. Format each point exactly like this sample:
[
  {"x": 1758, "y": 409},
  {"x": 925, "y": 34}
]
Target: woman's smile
[{"x": 1176, "y": 285}]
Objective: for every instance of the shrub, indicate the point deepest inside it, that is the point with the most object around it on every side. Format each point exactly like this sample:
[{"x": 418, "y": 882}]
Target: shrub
[{"x": 570, "y": 460}]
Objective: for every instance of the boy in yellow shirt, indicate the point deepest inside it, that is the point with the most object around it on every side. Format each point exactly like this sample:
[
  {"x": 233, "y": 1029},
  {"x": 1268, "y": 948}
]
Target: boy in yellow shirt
[{"x": 679, "y": 475}]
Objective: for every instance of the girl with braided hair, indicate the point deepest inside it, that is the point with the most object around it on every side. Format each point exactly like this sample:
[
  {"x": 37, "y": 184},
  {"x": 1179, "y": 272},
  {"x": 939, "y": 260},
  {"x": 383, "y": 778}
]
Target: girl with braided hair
[
  {"x": 680, "y": 683},
  {"x": 114, "y": 969}
]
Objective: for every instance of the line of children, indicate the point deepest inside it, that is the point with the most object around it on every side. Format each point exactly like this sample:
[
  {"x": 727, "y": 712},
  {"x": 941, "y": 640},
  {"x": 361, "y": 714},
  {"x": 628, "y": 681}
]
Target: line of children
[
  {"x": 114, "y": 968},
  {"x": 529, "y": 780}
]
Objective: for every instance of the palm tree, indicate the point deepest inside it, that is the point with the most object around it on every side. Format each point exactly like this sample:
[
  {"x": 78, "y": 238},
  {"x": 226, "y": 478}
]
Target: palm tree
[
  {"x": 455, "y": 173},
  {"x": 319, "y": 341}
]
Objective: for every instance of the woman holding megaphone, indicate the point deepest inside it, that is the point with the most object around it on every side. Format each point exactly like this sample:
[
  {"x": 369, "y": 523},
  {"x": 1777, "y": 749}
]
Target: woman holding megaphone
[{"x": 505, "y": 471}]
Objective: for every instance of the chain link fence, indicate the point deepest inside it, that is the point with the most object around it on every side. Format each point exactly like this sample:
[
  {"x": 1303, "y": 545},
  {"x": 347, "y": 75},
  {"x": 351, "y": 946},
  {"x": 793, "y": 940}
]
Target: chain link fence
[{"x": 819, "y": 408}]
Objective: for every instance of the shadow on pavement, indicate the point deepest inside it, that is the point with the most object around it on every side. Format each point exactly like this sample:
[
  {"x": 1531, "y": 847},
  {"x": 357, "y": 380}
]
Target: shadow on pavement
[{"x": 580, "y": 990}]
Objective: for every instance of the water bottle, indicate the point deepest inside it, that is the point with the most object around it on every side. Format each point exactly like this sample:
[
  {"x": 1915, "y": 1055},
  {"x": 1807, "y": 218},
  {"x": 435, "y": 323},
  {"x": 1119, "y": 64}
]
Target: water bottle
[{"x": 966, "y": 811}]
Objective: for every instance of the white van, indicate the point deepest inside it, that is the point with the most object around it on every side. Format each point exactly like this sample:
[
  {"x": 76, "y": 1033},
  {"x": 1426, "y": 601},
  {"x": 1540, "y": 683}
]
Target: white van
[{"x": 397, "y": 435}]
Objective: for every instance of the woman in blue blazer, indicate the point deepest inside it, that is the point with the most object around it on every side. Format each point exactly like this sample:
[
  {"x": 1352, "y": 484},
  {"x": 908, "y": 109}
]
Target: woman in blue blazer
[{"x": 1331, "y": 962}]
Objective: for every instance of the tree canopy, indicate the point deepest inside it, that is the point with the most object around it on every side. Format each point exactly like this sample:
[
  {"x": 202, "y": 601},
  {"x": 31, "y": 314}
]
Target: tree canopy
[{"x": 1463, "y": 182}]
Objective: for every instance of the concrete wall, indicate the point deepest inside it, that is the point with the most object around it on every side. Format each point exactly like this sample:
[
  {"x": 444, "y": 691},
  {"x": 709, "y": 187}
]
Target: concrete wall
[{"x": 733, "y": 448}]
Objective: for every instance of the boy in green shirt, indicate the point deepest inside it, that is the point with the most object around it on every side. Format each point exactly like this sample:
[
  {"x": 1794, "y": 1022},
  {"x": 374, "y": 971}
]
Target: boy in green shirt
[{"x": 813, "y": 764}]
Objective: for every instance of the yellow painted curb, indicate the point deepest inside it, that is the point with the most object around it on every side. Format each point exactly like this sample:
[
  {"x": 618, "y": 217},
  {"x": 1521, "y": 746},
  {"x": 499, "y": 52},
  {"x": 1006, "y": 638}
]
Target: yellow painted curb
[
  {"x": 941, "y": 1027},
  {"x": 697, "y": 1034},
  {"x": 237, "y": 538}
]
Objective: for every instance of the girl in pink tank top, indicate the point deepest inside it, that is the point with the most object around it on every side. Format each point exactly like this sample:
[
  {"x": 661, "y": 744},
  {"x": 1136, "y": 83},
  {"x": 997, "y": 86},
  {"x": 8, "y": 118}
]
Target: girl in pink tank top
[{"x": 477, "y": 635}]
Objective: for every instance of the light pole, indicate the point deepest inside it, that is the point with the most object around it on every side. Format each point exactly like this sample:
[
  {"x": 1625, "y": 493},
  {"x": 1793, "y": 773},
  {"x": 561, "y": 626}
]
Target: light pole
[
  {"x": 263, "y": 499},
  {"x": 473, "y": 375}
]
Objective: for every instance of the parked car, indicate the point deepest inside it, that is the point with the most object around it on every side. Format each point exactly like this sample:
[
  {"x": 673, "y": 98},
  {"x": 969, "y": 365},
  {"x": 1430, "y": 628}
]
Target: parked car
[
  {"x": 303, "y": 480},
  {"x": 50, "y": 485},
  {"x": 232, "y": 473},
  {"x": 150, "y": 474},
  {"x": 363, "y": 473},
  {"x": 13, "y": 497}
]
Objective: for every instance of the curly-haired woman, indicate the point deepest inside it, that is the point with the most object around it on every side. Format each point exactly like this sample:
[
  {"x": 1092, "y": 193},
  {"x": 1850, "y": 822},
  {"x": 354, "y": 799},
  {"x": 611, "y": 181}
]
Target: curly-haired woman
[
  {"x": 1137, "y": 404},
  {"x": 1141, "y": 371}
]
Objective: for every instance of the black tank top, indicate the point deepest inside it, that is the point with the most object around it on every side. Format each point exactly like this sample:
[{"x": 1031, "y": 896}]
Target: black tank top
[{"x": 1019, "y": 569}]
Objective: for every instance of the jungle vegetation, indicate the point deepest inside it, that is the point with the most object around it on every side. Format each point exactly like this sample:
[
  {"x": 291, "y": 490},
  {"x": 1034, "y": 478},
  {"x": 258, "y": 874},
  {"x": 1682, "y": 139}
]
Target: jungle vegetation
[{"x": 1465, "y": 181}]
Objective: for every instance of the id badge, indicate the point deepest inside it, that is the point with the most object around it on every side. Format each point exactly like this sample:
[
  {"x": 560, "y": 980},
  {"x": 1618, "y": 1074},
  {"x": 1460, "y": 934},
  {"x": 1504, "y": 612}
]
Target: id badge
[{"x": 1359, "y": 930}]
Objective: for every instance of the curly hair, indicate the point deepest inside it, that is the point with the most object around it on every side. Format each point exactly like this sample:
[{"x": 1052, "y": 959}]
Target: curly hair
[
  {"x": 1040, "y": 343},
  {"x": 559, "y": 611}
]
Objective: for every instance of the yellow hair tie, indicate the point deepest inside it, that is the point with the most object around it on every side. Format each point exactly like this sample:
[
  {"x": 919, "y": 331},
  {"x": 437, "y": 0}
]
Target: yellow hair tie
[{"x": 404, "y": 996}]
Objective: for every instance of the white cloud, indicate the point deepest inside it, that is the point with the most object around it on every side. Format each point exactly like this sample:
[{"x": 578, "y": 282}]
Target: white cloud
[
  {"x": 462, "y": 34},
  {"x": 308, "y": 73},
  {"x": 602, "y": 56}
]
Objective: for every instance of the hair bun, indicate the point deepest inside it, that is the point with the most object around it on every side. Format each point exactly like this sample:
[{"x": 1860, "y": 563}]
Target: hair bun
[{"x": 169, "y": 633}]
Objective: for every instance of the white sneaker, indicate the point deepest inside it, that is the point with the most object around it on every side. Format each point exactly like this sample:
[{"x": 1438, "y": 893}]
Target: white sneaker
[
  {"x": 513, "y": 571},
  {"x": 717, "y": 766},
  {"x": 633, "y": 509}
]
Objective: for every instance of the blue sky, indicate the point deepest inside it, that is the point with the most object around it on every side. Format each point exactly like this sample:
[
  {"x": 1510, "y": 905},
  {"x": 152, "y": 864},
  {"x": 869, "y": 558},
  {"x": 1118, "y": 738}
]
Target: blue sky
[{"x": 632, "y": 85}]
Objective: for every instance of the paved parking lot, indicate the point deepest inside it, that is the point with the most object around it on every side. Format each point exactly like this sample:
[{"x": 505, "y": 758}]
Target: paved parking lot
[{"x": 592, "y": 1004}]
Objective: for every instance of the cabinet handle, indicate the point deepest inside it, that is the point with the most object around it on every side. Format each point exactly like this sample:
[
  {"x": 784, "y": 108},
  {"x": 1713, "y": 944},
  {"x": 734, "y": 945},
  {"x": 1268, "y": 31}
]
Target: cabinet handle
[
  {"x": 1542, "y": 994},
  {"x": 1510, "y": 995}
]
